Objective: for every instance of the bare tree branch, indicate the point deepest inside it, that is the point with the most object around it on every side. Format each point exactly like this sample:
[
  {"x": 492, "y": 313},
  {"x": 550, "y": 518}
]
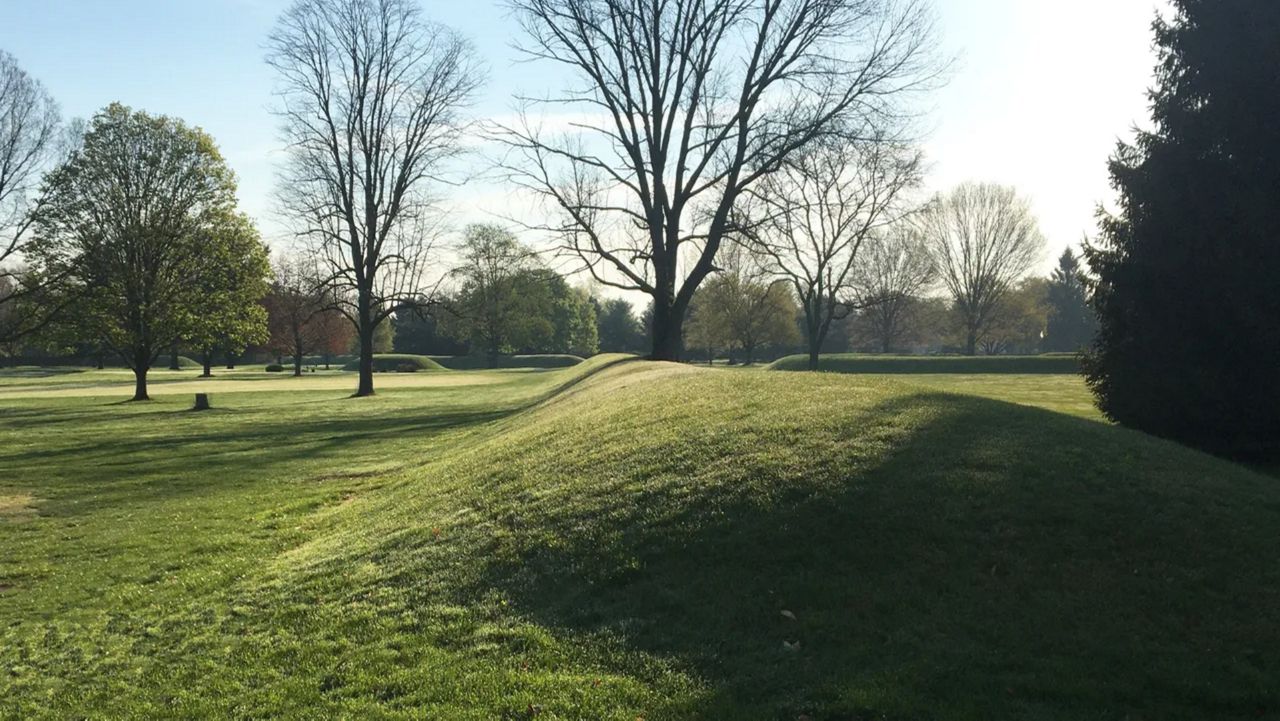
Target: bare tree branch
[{"x": 29, "y": 122}]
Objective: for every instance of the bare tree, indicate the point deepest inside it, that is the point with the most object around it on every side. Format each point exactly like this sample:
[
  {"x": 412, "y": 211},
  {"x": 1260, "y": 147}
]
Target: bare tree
[
  {"x": 372, "y": 98},
  {"x": 686, "y": 104},
  {"x": 813, "y": 217},
  {"x": 983, "y": 239},
  {"x": 293, "y": 304},
  {"x": 894, "y": 269},
  {"x": 29, "y": 122}
]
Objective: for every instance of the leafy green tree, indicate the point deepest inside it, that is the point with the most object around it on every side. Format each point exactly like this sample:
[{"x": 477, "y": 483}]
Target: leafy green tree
[
  {"x": 1017, "y": 324},
  {"x": 748, "y": 313},
  {"x": 384, "y": 336},
  {"x": 232, "y": 277},
  {"x": 574, "y": 319},
  {"x": 1187, "y": 293},
  {"x": 424, "y": 333},
  {"x": 1071, "y": 324},
  {"x": 619, "y": 329},
  {"x": 492, "y": 301},
  {"x": 130, "y": 222}
]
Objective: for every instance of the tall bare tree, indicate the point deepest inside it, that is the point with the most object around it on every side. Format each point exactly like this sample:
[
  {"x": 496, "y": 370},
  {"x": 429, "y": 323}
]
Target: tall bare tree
[
  {"x": 983, "y": 239},
  {"x": 372, "y": 98},
  {"x": 889, "y": 277},
  {"x": 682, "y": 106},
  {"x": 29, "y": 122},
  {"x": 813, "y": 217}
]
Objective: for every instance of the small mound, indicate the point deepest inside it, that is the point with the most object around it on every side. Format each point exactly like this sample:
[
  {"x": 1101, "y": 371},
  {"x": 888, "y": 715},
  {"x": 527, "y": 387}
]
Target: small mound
[
  {"x": 1050, "y": 364},
  {"x": 398, "y": 363},
  {"x": 480, "y": 362}
]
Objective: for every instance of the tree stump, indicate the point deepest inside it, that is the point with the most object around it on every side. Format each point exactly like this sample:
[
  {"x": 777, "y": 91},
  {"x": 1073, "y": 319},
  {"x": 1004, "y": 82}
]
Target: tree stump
[{"x": 202, "y": 402}]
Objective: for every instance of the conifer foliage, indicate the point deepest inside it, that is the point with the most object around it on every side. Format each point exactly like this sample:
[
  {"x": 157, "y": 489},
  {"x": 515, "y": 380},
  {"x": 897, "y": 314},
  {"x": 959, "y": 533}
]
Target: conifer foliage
[{"x": 1188, "y": 296}]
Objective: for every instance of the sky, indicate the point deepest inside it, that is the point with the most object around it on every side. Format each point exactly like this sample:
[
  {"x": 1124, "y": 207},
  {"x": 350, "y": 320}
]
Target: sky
[{"x": 1040, "y": 92}]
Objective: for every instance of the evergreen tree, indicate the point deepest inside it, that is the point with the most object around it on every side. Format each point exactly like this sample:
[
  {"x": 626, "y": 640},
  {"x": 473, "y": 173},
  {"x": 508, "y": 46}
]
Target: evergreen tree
[
  {"x": 619, "y": 330},
  {"x": 1071, "y": 323},
  {"x": 1187, "y": 293}
]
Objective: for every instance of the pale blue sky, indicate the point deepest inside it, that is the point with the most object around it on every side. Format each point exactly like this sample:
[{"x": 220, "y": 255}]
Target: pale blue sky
[{"x": 1042, "y": 90}]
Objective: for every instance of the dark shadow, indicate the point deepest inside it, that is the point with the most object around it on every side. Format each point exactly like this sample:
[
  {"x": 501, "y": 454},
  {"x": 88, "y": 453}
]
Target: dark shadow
[
  {"x": 997, "y": 561},
  {"x": 218, "y": 450}
]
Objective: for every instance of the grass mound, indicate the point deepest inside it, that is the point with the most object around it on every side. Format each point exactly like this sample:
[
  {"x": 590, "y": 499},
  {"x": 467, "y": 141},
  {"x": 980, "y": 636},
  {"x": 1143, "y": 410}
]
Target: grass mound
[
  {"x": 625, "y": 540},
  {"x": 480, "y": 362},
  {"x": 705, "y": 547},
  {"x": 397, "y": 362},
  {"x": 872, "y": 364}
]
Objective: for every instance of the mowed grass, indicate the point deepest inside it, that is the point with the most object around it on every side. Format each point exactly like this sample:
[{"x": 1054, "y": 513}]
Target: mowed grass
[
  {"x": 67, "y": 383},
  {"x": 628, "y": 540},
  {"x": 1054, "y": 363}
]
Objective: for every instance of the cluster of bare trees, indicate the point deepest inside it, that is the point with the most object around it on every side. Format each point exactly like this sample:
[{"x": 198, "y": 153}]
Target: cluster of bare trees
[
  {"x": 778, "y": 127},
  {"x": 687, "y": 105}
]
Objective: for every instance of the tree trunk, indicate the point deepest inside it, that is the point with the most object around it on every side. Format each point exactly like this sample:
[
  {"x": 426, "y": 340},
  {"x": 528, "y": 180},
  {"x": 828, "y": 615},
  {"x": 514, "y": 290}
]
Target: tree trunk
[
  {"x": 140, "y": 384},
  {"x": 326, "y": 361},
  {"x": 231, "y": 361},
  {"x": 366, "y": 349},
  {"x": 668, "y": 336},
  {"x": 207, "y": 357},
  {"x": 813, "y": 334},
  {"x": 173, "y": 358},
  {"x": 971, "y": 343},
  {"x": 297, "y": 365}
]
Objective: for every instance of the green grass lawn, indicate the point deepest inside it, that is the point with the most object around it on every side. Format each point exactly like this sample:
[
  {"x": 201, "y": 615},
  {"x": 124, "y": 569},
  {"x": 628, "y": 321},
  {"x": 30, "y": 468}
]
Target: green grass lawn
[
  {"x": 1052, "y": 364},
  {"x": 626, "y": 540}
]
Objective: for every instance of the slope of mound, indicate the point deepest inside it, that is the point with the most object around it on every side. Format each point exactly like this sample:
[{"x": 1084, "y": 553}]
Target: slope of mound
[
  {"x": 397, "y": 362},
  {"x": 669, "y": 543},
  {"x": 855, "y": 363}
]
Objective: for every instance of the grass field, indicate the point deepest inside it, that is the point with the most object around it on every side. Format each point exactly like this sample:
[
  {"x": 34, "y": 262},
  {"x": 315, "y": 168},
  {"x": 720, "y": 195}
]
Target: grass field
[
  {"x": 1052, "y": 364},
  {"x": 624, "y": 540}
]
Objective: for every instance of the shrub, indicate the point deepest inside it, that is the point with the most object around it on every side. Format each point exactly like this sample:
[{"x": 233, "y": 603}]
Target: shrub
[
  {"x": 275, "y": 368},
  {"x": 407, "y": 368}
]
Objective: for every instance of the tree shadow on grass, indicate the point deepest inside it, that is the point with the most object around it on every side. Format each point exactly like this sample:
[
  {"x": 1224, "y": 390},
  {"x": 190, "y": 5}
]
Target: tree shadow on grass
[{"x": 998, "y": 562}]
